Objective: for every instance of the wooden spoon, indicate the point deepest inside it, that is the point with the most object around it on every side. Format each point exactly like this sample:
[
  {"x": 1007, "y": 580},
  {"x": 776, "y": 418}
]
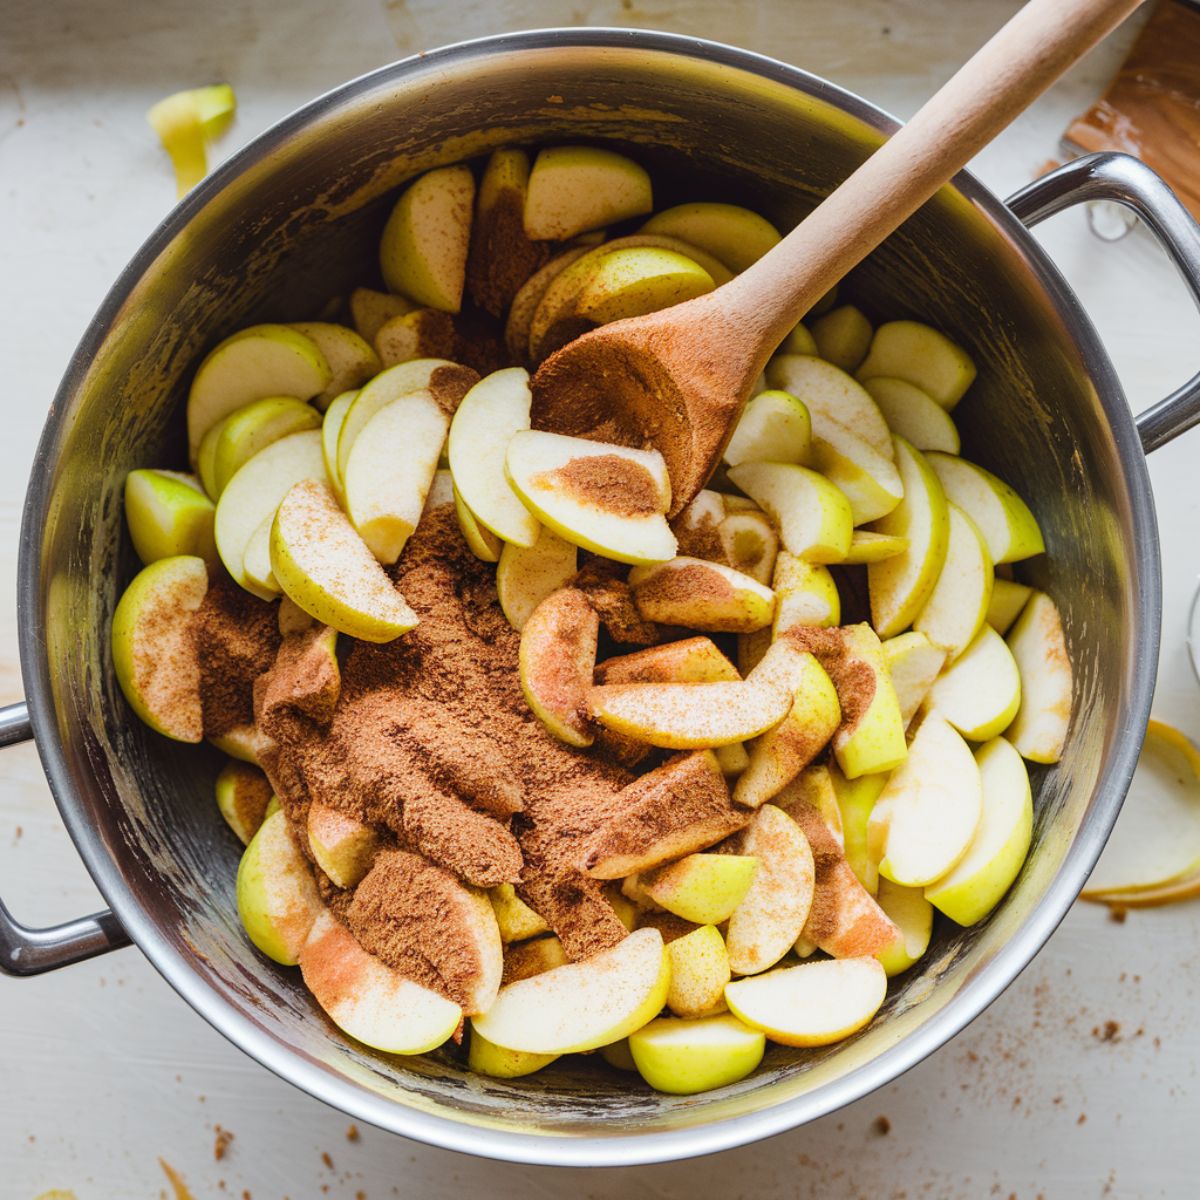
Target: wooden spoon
[{"x": 677, "y": 379}]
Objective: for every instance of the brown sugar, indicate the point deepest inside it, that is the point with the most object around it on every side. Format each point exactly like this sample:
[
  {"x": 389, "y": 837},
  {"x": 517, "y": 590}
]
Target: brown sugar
[
  {"x": 221, "y": 1142},
  {"x": 611, "y": 598},
  {"x": 477, "y": 848},
  {"x": 501, "y": 257},
  {"x": 609, "y": 481}
]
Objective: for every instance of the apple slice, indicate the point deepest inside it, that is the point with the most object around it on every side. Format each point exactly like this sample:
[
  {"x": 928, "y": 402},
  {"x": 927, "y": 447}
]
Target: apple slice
[
  {"x": 764, "y": 927},
  {"x": 921, "y": 356},
  {"x": 868, "y": 479},
  {"x": 913, "y": 662},
  {"x": 371, "y": 310},
  {"x": 997, "y": 851},
  {"x": 899, "y": 586},
  {"x": 557, "y": 656},
  {"x": 448, "y": 382},
  {"x": 636, "y": 281},
  {"x": 441, "y": 492},
  {"x": 534, "y": 957},
  {"x": 980, "y": 692},
  {"x": 484, "y": 1058},
  {"x": 704, "y": 888},
  {"x": 699, "y": 966},
  {"x": 814, "y": 1004},
  {"x": 701, "y": 595},
  {"x": 168, "y": 514},
  {"x": 868, "y": 547},
  {"x": 277, "y": 897},
  {"x": 390, "y": 469},
  {"x": 331, "y": 431},
  {"x": 1039, "y": 730},
  {"x": 514, "y": 918},
  {"x": 912, "y": 915},
  {"x": 256, "y": 562},
  {"x": 780, "y": 754},
  {"x": 326, "y": 568},
  {"x": 805, "y": 594},
  {"x": 929, "y": 809},
  {"x": 369, "y": 1000},
  {"x": 914, "y": 415},
  {"x": 256, "y": 491},
  {"x": 481, "y": 541},
  {"x": 251, "y": 428},
  {"x": 525, "y": 577},
  {"x": 530, "y": 295},
  {"x": 958, "y": 604},
  {"x": 750, "y": 543},
  {"x": 351, "y": 358},
  {"x": 774, "y": 427},
  {"x": 856, "y": 800},
  {"x": 693, "y": 660},
  {"x": 609, "y": 499},
  {"x": 423, "y": 251},
  {"x": 264, "y": 360},
  {"x": 814, "y": 518},
  {"x": 1003, "y": 518},
  {"x": 246, "y": 743},
  {"x": 813, "y": 789},
  {"x": 737, "y": 236},
  {"x": 576, "y": 188},
  {"x": 487, "y": 417},
  {"x": 683, "y": 1058},
  {"x": 582, "y": 1005},
  {"x": 1008, "y": 599},
  {"x": 243, "y": 797},
  {"x": 831, "y": 394},
  {"x": 154, "y": 653},
  {"x": 342, "y": 846},
  {"x": 842, "y": 337},
  {"x": 799, "y": 341}
]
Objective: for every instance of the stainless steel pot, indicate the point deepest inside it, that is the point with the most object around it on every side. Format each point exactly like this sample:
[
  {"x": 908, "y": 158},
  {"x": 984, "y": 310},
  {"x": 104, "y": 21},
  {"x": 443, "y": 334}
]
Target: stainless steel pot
[{"x": 290, "y": 221}]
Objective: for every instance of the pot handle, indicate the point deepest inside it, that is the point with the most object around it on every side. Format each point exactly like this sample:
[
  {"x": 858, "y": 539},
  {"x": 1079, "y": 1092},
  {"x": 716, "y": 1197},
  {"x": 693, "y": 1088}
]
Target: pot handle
[
  {"x": 25, "y": 951},
  {"x": 1123, "y": 179}
]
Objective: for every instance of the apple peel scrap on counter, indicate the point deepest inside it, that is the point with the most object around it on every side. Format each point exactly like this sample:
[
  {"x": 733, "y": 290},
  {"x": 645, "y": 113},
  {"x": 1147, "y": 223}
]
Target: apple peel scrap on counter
[{"x": 804, "y": 705}]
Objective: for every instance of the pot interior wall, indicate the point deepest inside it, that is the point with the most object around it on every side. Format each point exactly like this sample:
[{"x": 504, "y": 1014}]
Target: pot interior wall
[{"x": 300, "y": 225}]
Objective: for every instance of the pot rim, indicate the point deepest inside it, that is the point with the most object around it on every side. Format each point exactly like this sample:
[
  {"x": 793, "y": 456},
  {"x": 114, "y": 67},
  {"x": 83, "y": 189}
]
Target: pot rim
[{"x": 589, "y": 1150}]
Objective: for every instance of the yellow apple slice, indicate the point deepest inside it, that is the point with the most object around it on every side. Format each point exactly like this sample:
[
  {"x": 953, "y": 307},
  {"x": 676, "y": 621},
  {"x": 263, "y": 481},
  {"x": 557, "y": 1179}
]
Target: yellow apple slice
[
  {"x": 256, "y": 562},
  {"x": 899, "y": 586},
  {"x": 369, "y": 1000},
  {"x": 277, "y": 897},
  {"x": 868, "y": 479},
  {"x": 514, "y": 918},
  {"x": 774, "y": 427},
  {"x": 980, "y": 692},
  {"x": 256, "y": 491},
  {"x": 484, "y": 1058},
  {"x": 243, "y": 797},
  {"x": 252, "y": 428},
  {"x": 262, "y": 361},
  {"x": 997, "y": 852},
  {"x": 633, "y": 282},
  {"x": 737, "y": 236},
  {"x": 701, "y": 595},
  {"x": 914, "y": 415},
  {"x": 576, "y": 188},
  {"x": 704, "y": 888},
  {"x": 682, "y": 1057},
  {"x": 331, "y": 430},
  {"x": 765, "y": 926},
  {"x": 856, "y": 801},
  {"x": 1003, "y": 518},
  {"x": 805, "y": 594},
  {"x": 351, "y": 358},
  {"x": 814, "y": 1004},
  {"x": 326, "y": 568},
  {"x": 799, "y": 341},
  {"x": 487, "y": 417},
  {"x": 699, "y": 966},
  {"x": 441, "y": 492},
  {"x": 958, "y": 604},
  {"x": 370, "y": 311},
  {"x": 814, "y": 518},
  {"x": 582, "y": 1005},
  {"x": 390, "y": 470},
  {"x": 611, "y": 500},
  {"x": 556, "y": 660},
  {"x": 842, "y": 337},
  {"x": 1037, "y": 641},
  {"x": 868, "y": 547},
  {"x": 525, "y": 577},
  {"x": 1008, "y": 599},
  {"x": 423, "y": 250},
  {"x": 446, "y": 381},
  {"x": 154, "y": 653},
  {"x": 529, "y": 297},
  {"x": 750, "y": 543},
  {"x": 922, "y": 356},
  {"x": 481, "y": 541},
  {"x": 246, "y": 743},
  {"x": 913, "y": 662},
  {"x": 342, "y": 846},
  {"x": 168, "y": 514},
  {"x": 829, "y": 393},
  {"x": 912, "y": 915},
  {"x": 929, "y": 808}
]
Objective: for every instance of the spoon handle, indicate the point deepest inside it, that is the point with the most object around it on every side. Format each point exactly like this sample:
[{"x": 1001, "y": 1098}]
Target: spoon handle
[{"x": 1002, "y": 79}]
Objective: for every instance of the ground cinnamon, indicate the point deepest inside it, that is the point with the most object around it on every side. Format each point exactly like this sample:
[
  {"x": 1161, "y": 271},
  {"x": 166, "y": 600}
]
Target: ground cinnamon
[{"x": 610, "y": 481}]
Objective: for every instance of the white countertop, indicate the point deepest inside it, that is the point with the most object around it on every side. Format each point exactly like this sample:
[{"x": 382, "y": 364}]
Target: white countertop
[{"x": 105, "y": 1069}]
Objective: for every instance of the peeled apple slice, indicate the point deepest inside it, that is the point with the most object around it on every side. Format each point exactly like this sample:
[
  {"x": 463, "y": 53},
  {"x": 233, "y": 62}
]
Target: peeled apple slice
[{"x": 1156, "y": 841}]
